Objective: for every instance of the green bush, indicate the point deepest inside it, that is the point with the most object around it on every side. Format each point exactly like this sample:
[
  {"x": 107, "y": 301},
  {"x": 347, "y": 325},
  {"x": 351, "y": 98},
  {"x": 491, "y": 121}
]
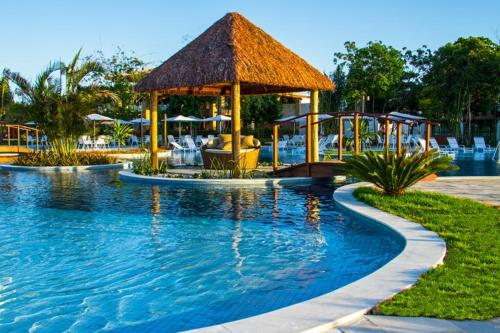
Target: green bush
[
  {"x": 392, "y": 173},
  {"x": 143, "y": 166},
  {"x": 63, "y": 153}
]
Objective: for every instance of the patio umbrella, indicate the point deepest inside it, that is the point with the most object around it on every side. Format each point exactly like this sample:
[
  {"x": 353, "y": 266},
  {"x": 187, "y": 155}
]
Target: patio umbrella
[
  {"x": 183, "y": 119},
  {"x": 218, "y": 118},
  {"x": 95, "y": 117}
]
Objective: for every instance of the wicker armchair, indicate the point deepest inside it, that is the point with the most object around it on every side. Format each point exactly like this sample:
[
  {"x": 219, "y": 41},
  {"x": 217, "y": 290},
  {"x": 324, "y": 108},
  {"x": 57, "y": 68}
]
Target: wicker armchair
[{"x": 214, "y": 158}]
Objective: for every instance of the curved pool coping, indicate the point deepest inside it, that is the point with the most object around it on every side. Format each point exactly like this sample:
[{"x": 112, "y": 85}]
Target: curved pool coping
[
  {"x": 186, "y": 182},
  {"x": 115, "y": 166},
  {"x": 424, "y": 250}
]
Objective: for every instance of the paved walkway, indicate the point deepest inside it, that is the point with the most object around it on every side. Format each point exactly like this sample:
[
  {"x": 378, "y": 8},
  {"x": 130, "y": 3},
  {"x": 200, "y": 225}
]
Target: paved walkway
[
  {"x": 485, "y": 189},
  {"x": 388, "y": 324}
]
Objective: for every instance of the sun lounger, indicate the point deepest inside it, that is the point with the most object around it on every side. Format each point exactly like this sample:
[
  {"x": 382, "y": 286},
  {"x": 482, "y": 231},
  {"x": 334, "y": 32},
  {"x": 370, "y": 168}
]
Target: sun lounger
[{"x": 480, "y": 145}]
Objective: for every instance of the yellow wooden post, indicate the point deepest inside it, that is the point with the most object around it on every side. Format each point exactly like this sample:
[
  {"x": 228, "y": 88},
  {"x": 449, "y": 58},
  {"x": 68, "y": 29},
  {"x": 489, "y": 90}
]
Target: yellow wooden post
[
  {"x": 154, "y": 130},
  {"x": 165, "y": 129},
  {"x": 235, "y": 125},
  {"x": 308, "y": 139},
  {"x": 36, "y": 139},
  {"x": 398, "y": 142},
  {"x": 27, "y": 141},
  {"x": 213, "y": 113},
  {"x": 18, "y": 138},
  {"x": 356, "y": 133},
  {"x": 387, "y": 133},
  {"x": 341, "y": 137},
  {"x": 275, "y": 147},
  {"x": 427, "y": 136},
  {"x": 313, "y": 108}
]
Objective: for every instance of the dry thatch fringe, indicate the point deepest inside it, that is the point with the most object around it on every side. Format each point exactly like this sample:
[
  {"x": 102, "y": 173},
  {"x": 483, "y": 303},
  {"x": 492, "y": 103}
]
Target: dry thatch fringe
[{"x": 235, "y": 50}]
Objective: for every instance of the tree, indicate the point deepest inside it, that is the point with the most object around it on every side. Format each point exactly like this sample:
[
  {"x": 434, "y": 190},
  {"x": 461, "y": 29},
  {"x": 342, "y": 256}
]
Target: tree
[
  {"x": 121, "y": 72},
  {"x": 463, "y": 78},
  {"x": 375, "y": 70},
  {"x": 333, "y": 101},
  {"x": 6, "y": 96},
  {"x": 62, "y": 95},
  {"x": 260, "y": 109}
]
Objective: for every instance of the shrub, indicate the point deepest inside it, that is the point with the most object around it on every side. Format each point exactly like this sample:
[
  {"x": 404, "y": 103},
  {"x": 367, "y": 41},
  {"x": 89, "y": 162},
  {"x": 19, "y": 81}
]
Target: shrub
[
  {"x": 63, "y": 153},
  {"x": 394, "y": 174},
  {"x": 143, "y": 166}
]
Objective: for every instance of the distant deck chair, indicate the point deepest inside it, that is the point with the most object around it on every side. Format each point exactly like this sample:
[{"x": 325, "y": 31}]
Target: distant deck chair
[
  {"x": 453, "y": 145},
  {"x": 297, "y": 140},
  {"x": 480, "y": 145},
  {"x": 177, "y": 146},
  {"x": 170, "y": 139},
  {"x": 190, "y": 143},
  {"x": 133, "y": 140}
]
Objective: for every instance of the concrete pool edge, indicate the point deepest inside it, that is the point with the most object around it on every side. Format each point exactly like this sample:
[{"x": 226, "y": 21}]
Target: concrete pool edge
[
  {"x": 423, "y": 250},
  {"x": 44, "y": 169},
  {"x": 254, "y": 182}
]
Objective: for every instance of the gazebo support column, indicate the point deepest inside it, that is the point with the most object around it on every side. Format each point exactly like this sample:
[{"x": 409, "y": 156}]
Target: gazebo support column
[
  {"x": 341, "y": 138},
  {"x": 213, "y": 113},
  {"x": 154, "y": 130},
  {"x": 387, "y": 134},
  {"x": 235, "y": 125},
  {"x": 313, "y": 108},
  {"x": 356, "y": 133},
  {"x": 165, "y": 129},
  {"x": 427, "y": 136},
  {"x": 275, "y": 147},
  {"x": 399, "y": 139}
]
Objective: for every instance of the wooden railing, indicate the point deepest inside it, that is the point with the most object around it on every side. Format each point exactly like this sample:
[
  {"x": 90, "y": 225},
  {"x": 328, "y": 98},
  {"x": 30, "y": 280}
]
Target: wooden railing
[
  {"x": 14, "y": 135},
  {"x": 388, "y": 119}
]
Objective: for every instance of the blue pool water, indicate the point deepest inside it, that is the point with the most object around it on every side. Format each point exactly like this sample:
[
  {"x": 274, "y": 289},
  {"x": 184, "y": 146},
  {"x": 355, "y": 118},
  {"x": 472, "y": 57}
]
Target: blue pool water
[
  {"x": 88, "y": 253},
  {"x": 470, "y": 164}
]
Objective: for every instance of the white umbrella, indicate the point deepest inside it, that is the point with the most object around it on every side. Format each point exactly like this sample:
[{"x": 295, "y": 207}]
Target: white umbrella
[
  {"x": 95, "y": 117},
  {"x": 219, "y": 118},
  {"x": 30, "y": 123},
  {"x": 122, "y": 122},
  {"x": 144, "y": 121},
  {"x": 183, "y": 119}
]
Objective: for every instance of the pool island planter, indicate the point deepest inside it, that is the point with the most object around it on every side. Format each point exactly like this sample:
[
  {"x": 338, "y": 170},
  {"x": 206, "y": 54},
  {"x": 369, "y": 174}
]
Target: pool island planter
[
  {"x": 126, "y": 175},
  {"x": 423, "y": 250},
  {"x": 64, "y": 169}
]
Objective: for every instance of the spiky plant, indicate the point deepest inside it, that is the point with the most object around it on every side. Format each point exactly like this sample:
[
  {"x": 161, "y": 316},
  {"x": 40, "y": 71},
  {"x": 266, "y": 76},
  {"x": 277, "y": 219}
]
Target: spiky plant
[
  {"x": 394, "y": 174},
  {"x": 121, "y": 132}
]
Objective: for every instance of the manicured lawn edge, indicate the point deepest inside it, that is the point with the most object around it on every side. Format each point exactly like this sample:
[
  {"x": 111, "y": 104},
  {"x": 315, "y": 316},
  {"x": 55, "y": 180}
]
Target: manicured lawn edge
[{"x": 466, "y": 286}]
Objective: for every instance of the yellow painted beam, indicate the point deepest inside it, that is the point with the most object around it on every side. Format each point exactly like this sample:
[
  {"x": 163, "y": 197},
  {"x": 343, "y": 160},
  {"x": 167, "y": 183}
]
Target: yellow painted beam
[
  {"x": 341, "y": 137},
  {"x": 154, "y": 130},
  {"x": 313, "y": 108},
  {"x": 235, "y": 125},
  {"x": 275, "y": 147}
]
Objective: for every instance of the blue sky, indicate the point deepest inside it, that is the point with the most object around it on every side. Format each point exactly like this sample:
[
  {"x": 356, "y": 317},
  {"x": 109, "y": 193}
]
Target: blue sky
[{"x": 36, "y": 32}]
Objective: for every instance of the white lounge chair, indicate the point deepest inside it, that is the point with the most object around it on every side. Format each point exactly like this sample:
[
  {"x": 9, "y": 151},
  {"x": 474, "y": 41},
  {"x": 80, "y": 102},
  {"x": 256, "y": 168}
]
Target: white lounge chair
[
  {"x": 480, "y": 145},
  {"x": 453, "y": 145},
  {"x": 84, "y": 142},
  {"x": 133, "y": 140},
  {"x": 297, "y": 140},
  {"x": 177, "y": 146},
  {"x": 190, "y": 143}
]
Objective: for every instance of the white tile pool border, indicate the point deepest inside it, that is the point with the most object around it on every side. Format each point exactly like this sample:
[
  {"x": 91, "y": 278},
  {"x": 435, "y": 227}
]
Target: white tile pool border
[
  {"x": 423, "y": 251},
  {"x": 64, "y": 169},
  {"x": 187, "y": 182}
]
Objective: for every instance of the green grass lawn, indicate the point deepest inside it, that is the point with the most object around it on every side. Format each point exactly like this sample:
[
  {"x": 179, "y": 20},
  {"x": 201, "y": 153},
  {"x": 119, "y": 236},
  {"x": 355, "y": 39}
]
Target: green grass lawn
[{"x": 467, "y": 285}]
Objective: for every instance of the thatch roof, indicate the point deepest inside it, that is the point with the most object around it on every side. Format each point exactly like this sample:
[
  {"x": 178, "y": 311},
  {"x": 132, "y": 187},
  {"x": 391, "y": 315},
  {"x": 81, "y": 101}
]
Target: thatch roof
[{"x": 234, "y": 50}]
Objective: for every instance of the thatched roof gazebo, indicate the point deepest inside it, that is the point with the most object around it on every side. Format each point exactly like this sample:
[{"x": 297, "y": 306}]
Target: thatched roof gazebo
[{"x": 232, "y": 57}]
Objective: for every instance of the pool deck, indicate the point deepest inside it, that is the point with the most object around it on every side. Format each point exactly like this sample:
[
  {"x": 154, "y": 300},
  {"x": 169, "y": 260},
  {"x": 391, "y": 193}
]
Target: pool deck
[
  {"x": 389, "y": 324},
  {"x": 485, "y": 189}
]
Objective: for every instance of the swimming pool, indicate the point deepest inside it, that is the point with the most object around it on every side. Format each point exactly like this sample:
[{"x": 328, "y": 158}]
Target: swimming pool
[
  {"x": 470, "y": 164},
  {"x": 89, "y": 253}
]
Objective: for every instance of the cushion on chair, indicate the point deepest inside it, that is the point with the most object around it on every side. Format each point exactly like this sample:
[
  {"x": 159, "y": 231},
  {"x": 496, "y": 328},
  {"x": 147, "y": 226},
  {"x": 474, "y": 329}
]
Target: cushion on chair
[
  {"x": 225, "y": 137},
  {"x": 212, "y": 144},
  {"x": 228, "y": 145},
  {"x": 247, "y": 142}
]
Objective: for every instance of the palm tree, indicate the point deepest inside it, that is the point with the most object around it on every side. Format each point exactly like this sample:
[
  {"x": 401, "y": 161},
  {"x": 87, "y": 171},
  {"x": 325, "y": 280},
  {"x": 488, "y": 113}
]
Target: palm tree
[
  {"x": 6, "y": 95},
  {"x": 62, "y": 95}
]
